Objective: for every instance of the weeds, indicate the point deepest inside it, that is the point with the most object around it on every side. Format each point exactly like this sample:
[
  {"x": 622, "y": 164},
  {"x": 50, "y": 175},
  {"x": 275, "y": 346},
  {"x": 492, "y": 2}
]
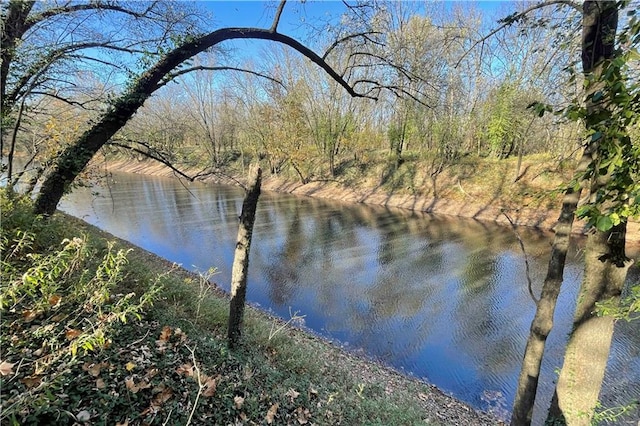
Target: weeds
[{"x": 278, "y": 326}]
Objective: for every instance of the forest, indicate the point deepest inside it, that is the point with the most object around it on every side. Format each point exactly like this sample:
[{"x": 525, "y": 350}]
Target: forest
[{"x": 365, "y": 94}]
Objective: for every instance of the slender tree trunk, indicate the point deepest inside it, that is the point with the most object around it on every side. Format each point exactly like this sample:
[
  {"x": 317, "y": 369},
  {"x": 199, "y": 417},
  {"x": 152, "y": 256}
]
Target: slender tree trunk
[
  {"x": 598, "y": 34},
  {"x": 543, "y": 320},
  {"x": 585, "y": 359},
  {"x": 241, "y": 258}
]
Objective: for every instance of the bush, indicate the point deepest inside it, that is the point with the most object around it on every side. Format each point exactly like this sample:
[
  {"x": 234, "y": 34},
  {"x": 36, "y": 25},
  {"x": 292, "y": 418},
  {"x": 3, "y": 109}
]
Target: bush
[{"x": 59, "y": 305}]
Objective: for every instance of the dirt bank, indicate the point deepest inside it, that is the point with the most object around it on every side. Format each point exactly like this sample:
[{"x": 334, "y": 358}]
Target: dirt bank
[{"x": 463, "y": 205}]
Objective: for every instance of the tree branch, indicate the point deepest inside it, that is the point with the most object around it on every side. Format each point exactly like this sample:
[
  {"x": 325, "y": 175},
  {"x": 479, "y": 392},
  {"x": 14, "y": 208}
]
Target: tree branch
[
  {"x": 150, "y": 154},
  {"x": 46, "y": 62},
  {"x": 35, "y": 19},
  {"x": 219, "y": 68},
  {"x": 276, "y": 19},
  {"x": 512, "y": 19},
  {"x": 349, "y": 37}
]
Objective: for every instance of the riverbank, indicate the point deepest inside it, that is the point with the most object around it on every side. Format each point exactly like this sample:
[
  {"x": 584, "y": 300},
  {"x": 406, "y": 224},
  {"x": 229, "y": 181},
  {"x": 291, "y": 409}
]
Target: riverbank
[
  {"x": 169, "y": 362},
  {"x": 467, "y": 198}
]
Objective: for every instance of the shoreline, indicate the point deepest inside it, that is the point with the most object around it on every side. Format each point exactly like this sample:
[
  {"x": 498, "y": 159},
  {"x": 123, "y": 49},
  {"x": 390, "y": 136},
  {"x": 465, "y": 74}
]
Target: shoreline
[{"x": 332, "y": 190}]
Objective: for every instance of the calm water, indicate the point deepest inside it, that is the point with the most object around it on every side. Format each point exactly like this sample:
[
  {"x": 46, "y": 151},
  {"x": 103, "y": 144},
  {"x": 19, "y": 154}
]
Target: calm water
[{"x": 445, "y": 300}]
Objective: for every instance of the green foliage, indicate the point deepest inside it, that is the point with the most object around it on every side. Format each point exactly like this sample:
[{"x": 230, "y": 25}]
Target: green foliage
[
  {"x": 611, "y": 114},
  {"x": 617, "y": 161},
  {"x": 59, "y": 306},
  {"x": 614, "y": 414},
  {"x": 505, "y": 126},
  {"x": 627, "y": 309}
]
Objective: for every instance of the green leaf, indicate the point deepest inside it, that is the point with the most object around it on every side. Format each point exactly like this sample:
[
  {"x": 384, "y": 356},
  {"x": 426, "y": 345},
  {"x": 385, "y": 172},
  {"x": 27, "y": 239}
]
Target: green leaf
[{"x": 604, "y": 223}]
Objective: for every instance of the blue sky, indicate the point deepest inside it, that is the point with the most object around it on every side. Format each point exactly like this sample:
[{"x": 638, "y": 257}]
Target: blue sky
[
  {"x": 241, "y": 13},
  {"x": 260, "y": 13}
]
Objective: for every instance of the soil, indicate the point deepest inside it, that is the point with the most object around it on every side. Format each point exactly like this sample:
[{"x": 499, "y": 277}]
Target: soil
[{"x": 497, "y": 209}]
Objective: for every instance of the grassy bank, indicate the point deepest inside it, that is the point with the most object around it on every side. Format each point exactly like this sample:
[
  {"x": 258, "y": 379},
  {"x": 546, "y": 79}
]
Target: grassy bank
[{"x": 95, "y": 331}]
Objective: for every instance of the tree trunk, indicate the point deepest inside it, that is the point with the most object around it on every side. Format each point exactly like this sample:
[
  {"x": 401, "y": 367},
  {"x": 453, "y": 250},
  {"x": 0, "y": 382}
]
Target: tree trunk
[
  {"x": 598, "y": 34},
  {"x": 606, "y": 264},
  {"x": 14, "y": 25},
  {"x": 543, "y": 320},
  {"x": 585, "y": 359},
  {"x": 241, "y": 258}
]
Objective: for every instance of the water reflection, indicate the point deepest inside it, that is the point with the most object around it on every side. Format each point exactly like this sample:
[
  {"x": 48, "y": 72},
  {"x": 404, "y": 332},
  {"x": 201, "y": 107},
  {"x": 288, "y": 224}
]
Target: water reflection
[{"x": 443, "y": 299}]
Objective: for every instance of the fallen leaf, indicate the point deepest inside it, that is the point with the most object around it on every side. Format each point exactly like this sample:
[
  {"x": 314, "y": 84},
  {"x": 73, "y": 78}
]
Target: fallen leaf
[
  {"x": 180, "y": 334},
  {"x": 151, "y": 373},
  {"x": 6, "y": 368},
  {"x": 291, "y": 393},
  {"x": 161, "y": 346},
  {"x": 29, "y": 315},
  {"x": 165, "y": 333},
  {"x": 238, "y": 401},
  {"x": 71, "y": 334},
  {"x": 271, "y": 413},
  {"x": 163, "y": 397},
  {"x": 185, "y": 370},
  {"x": 303, "y": 415},
  {"x": 210, "y": 388},
  {"x": 94, "y": 369},
  {"x": 126, "y": 423},
  {"x": 130, "y": 366},
  {"x": 55, "y": 300},
  {"x": 59, "y": 317},
  {"x": 100, "y": 384},
  {"x": 131, "y": 385},
  {"x": 32, "y": 381}
]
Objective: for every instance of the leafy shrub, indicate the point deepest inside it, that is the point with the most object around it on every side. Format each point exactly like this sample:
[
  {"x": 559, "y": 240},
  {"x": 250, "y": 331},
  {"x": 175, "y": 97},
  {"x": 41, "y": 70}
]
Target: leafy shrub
[{"x": 59, "y": 305}]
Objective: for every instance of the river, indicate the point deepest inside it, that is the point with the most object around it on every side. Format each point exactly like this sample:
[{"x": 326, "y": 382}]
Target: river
[{"x": 442, "y": 299}]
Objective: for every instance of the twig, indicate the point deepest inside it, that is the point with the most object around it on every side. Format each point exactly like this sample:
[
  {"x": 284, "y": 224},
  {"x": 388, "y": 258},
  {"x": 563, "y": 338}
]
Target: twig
[
  {"x": 134, "y": 344},
  {"x": 510, "y": 20},
  {"x": 293, "y": 317},
  {"x": 168, "y": 416},
  {"x": 200, "y": 385}
]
